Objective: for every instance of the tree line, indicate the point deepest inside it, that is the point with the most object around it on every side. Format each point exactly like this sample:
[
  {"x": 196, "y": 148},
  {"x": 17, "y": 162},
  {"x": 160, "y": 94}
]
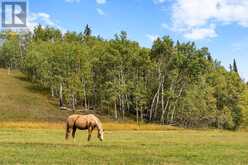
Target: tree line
[{"x": 169, "y": 83}]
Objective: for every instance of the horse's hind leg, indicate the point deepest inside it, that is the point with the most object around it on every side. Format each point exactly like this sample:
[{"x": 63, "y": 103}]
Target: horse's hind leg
[{"x": 67, "y": 131}]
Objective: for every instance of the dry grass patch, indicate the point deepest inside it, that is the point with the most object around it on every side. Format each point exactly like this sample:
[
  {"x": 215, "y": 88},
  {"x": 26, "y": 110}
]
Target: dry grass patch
[{"x": 108, "y": 126}]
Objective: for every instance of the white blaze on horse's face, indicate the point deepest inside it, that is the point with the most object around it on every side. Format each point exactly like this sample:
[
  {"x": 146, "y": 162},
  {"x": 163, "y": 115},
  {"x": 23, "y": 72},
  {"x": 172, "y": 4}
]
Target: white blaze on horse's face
[{"x": 100, "y": 135}]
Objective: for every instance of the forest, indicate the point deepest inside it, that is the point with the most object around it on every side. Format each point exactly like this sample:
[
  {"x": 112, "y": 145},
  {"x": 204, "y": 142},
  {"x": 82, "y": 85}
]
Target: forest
[{"x": 172, "y": 82}]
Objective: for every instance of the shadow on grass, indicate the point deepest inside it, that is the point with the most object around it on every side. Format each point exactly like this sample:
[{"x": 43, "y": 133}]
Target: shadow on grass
[
  {"x": 21, "y": 77},
  {"x": 36, "y": 89},
  {"x": 32, "y": 86}
]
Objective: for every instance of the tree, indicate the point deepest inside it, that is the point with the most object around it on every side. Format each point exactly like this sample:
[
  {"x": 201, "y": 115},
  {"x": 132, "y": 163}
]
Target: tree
[
  {"x": 243, "y": 105},
  {"x": 72, "y": 37},
  {"x": 230, "y": 67},
  {"x": 171, "y": 83},
  {"x": 87, "y": 31},
  {"x": 235, "y": 68},
  {"x": 11, "y": 51}
]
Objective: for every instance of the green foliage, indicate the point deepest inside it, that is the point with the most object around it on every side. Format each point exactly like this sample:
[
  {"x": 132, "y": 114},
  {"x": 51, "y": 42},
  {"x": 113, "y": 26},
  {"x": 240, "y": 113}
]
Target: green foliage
[
  {"x": 173, "y": 83},
  {"x": 243, "y": 106},
  {"x": 46, "y": 34},
  {"x": 11, "y": 53}
]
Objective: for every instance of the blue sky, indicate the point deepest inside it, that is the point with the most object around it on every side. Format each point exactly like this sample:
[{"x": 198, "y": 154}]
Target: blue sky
[{"x": 221, "y": 25}]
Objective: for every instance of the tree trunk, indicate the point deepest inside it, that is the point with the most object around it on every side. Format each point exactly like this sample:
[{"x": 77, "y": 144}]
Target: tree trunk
[
  {"x": 137, "y": 115},
  {"x": 123, "y": 108},
  {"x": 172, "y": 113},
  {"x": 61, "y": 102},
  {"x": 94, "y": 91},
  {"x": 95, "y": 98},
  {"x": 156, "y": 106},
  {"x": 141, "y": 115},
  {"x": 52, "y": 91},
  {"x": 127, "y": 103},
  {"x": 85, "y": 97},
  {"x": 116, "y": 113},
  {"x": 73, "y": 103},
  {"x": 123, "y": 95},
  {"x": 9, "y": 70},
  {"x": 164, "y": 110},
  {"x": 162, "y": 119},
  {"x": 162, "y": 98},
  {"x": 174, "y": 107},
  {"x": 167, "y": 117},
  {"x": 162, "y": 101},
  {"x": 156, "y": 96}
]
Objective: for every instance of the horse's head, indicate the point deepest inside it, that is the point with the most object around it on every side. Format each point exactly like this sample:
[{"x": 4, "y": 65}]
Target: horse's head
[{"x": 100, "y": 134}]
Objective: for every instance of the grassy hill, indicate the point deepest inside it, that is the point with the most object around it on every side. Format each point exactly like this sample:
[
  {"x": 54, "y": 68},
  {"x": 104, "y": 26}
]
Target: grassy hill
[
  {"x": 21, "y": 101},
  {"x": 25, "y": 106}
]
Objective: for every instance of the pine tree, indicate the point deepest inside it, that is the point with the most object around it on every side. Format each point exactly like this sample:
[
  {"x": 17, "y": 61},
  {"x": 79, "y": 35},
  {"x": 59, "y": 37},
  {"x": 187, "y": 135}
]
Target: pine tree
[
  {"x": 210, "y": 57},
  {"x": 235, "y": 68},
  {"x": 230, "y": 67},
  {"x": 87, "y": 31}
]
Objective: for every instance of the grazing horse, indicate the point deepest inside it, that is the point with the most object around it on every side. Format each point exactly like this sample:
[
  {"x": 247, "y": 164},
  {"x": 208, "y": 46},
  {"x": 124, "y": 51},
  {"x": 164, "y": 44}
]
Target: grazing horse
[{"x": 83, "y": 122}]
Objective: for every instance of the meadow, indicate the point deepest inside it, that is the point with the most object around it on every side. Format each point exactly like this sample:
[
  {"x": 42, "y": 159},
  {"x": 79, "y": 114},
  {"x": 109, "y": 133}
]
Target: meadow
[
  {"x": 41, "y": 146},
  {"x": 32, "y": 133}
]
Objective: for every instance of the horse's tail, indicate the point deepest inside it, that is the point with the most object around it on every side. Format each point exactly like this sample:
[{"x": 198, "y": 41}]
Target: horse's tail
[{"x": 67, "y": 130}]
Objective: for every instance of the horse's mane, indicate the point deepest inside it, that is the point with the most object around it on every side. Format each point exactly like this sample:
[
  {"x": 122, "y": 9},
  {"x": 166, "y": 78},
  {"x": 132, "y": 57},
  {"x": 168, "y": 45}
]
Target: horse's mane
[{"x": 98, "y": 123}]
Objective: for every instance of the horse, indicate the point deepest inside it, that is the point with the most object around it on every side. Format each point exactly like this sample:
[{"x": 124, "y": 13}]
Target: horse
[{"x": 83, "y": 122}]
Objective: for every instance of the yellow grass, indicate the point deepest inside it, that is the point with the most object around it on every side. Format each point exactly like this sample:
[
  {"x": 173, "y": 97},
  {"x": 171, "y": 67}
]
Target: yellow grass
[
  {"x": 34, "y": 125},
  {"x": 107, "y": 126}
]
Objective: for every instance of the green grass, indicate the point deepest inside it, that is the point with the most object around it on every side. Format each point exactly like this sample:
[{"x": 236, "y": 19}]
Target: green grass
[
  {"x": 21, "y": 101},
  {"x": 31, "y": 132},
  {"x": 47, "y": 146}
]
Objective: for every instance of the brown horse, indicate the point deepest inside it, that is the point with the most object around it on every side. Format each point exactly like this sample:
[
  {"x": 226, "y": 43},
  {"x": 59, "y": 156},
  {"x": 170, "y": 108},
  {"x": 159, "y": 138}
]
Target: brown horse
[{"x": 83, "y": 122}]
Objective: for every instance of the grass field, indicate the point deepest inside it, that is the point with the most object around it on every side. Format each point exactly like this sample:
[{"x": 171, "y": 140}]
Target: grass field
[
  {"x": 32, "y": 132},
  {"x": 21, "y": 101},
  {"x": 174, "y": 147}
]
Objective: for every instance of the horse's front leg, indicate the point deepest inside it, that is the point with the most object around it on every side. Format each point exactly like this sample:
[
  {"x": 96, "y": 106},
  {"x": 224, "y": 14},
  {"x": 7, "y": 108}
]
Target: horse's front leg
[
  {"x": 89, "y": 133},
  {"x": 73, "y": 133}
]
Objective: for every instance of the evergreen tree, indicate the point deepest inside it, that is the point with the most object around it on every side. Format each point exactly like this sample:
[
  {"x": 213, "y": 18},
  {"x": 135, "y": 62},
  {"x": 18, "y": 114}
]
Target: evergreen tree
[
  {"x": 235, "y": 68},
  {"x": 87, "y": 31},
  {"x": 230, "y": 67}
]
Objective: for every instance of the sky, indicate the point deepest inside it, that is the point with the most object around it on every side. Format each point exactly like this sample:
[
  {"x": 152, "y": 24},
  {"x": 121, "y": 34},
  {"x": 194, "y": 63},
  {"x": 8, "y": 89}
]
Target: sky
[{"x": 220, "y": 25}]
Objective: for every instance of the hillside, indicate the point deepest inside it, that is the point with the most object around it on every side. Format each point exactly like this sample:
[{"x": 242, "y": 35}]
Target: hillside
[
  {"x": 23, "y": 105},
  {"x": 172, "y": 82},
  {"x": 20, "y": 101}
]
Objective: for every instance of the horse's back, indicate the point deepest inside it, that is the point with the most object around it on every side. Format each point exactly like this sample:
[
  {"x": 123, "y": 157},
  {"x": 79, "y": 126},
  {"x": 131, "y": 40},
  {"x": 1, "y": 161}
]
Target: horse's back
[
  {"x": 82, "y": 121},
  {"x": 91, "y": 116},
  {"x": 71, "y": 119},
  {"x": 94, "y": 118},
  {"x": 77, "y": 119}
]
